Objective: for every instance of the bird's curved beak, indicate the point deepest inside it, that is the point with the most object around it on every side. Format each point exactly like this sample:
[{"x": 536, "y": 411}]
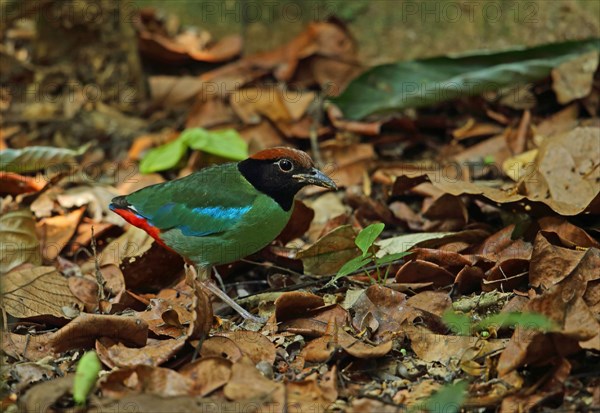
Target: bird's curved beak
[{"x": 316, "y": 177}]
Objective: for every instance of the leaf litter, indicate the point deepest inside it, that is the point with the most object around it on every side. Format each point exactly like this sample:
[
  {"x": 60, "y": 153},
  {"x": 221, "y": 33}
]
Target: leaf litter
[{"x": 489, "y": 216}]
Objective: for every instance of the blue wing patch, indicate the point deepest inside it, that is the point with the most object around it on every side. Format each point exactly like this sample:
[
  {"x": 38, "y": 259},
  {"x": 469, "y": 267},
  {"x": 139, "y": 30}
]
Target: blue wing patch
[
  {"x": 224, "y": 213},
  {"x": 224, "y": 218}
]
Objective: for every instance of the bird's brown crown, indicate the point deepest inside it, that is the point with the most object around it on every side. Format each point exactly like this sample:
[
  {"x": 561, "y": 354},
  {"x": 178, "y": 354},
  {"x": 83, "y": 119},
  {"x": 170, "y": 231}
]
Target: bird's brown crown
[
  {"x": 281, "y": 173},
  {"x": 272, "y": 154}
]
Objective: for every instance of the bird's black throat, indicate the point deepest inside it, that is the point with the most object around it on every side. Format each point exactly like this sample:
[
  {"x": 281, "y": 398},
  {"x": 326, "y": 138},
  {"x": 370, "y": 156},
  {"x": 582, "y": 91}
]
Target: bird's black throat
[{"x": 268, "y": 179}]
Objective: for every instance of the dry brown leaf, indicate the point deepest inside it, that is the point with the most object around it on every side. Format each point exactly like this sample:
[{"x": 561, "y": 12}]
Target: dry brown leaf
[
  {"x": 329, "y": 253},
  {"x": 576, "y": 327},
  {"x": 569, "y": 234},
  {"x": 566, "y": 175},
  {"x": 219, "y": 346},
  {"x": 254, "y": 345},
  {"x": 146, "y": 265},
  {"x": 554, "y": 385},
  {"x": 202, "y": 317},
  {"x": 154, "y": 353},
  {"x": 317, "y": 322},
  {"x": 424, "y": 271},
  {"x": 46, "y": 393},
  {"x": 564, "y": 179},
  {"x": 359, "y": 349},
  {"x": 15, "y": 184},
  {"x": 247, "y": 382},
  {"x": 349, "y": 161},
  {"x": 296, "y": 304},
  {"x": 433, "y": 347},
  {"x": 299, "y": 222},
  {"x": 171, "y": 312},
  {"x": 80, "y": 333},
  {"x": 145, "y": 379},
  {"x": 312, "y": 393},
  {"x": 388, "y": 307},
  {"x": 170, "y": 91},
  {"x": 86, "y": 290},
  {"x": 186, "y": 47},
  {"x": 55, "y": 232},
  {"x": 38, "y": 291},
  {"x": 19, "y": 240},
  {"x": 574, "y": 78},
  {"x": 473, "y": 129},
  {"x": 28, "y": 373},
  {"x": 207, "y": 374},
  {"x": 551, "y": 264},
  {"x": 261, "y": 136},
  {"x": 319, "y": 350},
  {"x": 96, "y": 197},
  {"x": 434, "y": 302}
]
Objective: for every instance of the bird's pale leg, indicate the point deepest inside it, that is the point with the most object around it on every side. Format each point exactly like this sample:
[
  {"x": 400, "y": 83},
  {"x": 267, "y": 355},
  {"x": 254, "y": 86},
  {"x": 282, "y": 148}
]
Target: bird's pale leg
[{"x": 203, "y": 274}]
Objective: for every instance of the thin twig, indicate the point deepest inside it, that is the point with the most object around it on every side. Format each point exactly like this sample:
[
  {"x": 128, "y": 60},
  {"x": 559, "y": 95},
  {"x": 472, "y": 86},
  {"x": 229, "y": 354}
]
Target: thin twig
[{"x": 99, "y": 277}]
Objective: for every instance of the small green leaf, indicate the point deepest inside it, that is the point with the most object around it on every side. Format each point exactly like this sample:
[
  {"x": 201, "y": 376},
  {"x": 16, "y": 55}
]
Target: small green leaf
[
  {"x": 448, "y": 399},
  {"x": 524, "y": 320},
  {"x": 489, "y": 160},
  {"x": 366, "y": 237},
  {"x": 391, "y": 258},
  {"x": 351, "y": 266},
  {"x": 226, "y": 143},
  {"x": 457, "y": 322},
  {"x": 85, "y": 377},
  {"x": 164, "y": 157}
]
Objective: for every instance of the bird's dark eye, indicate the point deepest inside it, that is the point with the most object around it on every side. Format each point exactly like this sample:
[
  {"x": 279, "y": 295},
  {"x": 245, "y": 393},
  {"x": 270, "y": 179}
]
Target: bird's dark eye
[{"x": 285, "y": 165}]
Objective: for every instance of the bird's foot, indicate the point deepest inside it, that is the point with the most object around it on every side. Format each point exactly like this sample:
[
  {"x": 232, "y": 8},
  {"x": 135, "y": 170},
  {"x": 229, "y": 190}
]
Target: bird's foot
[
  {"x": 210, "y": 286},
  {"x": 202, "y": 274}
]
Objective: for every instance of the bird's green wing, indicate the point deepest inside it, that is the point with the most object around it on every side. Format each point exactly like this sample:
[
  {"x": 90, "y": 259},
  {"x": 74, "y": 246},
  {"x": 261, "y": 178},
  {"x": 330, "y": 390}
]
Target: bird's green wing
[{"x": 207, "y": 202}]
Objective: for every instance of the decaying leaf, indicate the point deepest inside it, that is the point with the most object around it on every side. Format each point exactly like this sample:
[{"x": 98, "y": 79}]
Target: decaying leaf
[
  {"x": 20, "y": 243},
  {"x": 38, "y": 292},
  {"x": 329, "y": 253}
]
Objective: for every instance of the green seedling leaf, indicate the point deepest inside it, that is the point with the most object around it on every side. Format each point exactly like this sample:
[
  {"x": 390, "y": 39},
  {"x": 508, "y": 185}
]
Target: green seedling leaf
[
  {"x": 457, "y": 322},
  {"x": 489, "y": 160},
  {"x": 85, "y": 377},
  {"x": 393, "y": 87},
  {"x": 391, "y": 258},
  {"x": 448, "y": 399},
  {"x": 366, "y": 237},
  {"x": 164, "y": 157},
  {"x": 524, "y": 320},
  {"x": 348, "y": 268},
  {"x": 226, "y": 143}
]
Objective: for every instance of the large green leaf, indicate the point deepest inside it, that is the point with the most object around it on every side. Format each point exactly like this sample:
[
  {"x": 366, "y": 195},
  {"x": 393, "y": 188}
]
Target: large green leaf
[
  {"x": 164, "y": 157},
  {"x": 226, "y": 143},
  {"x": 423, "y": 82}
]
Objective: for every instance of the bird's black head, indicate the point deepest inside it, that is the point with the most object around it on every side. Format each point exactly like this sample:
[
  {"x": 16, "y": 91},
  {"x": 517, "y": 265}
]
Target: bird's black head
[{"x": 281, "y": 173}]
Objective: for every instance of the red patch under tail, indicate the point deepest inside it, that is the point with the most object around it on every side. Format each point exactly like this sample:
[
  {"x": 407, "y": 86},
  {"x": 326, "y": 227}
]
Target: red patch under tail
[{"x": 141, "y": 223}]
